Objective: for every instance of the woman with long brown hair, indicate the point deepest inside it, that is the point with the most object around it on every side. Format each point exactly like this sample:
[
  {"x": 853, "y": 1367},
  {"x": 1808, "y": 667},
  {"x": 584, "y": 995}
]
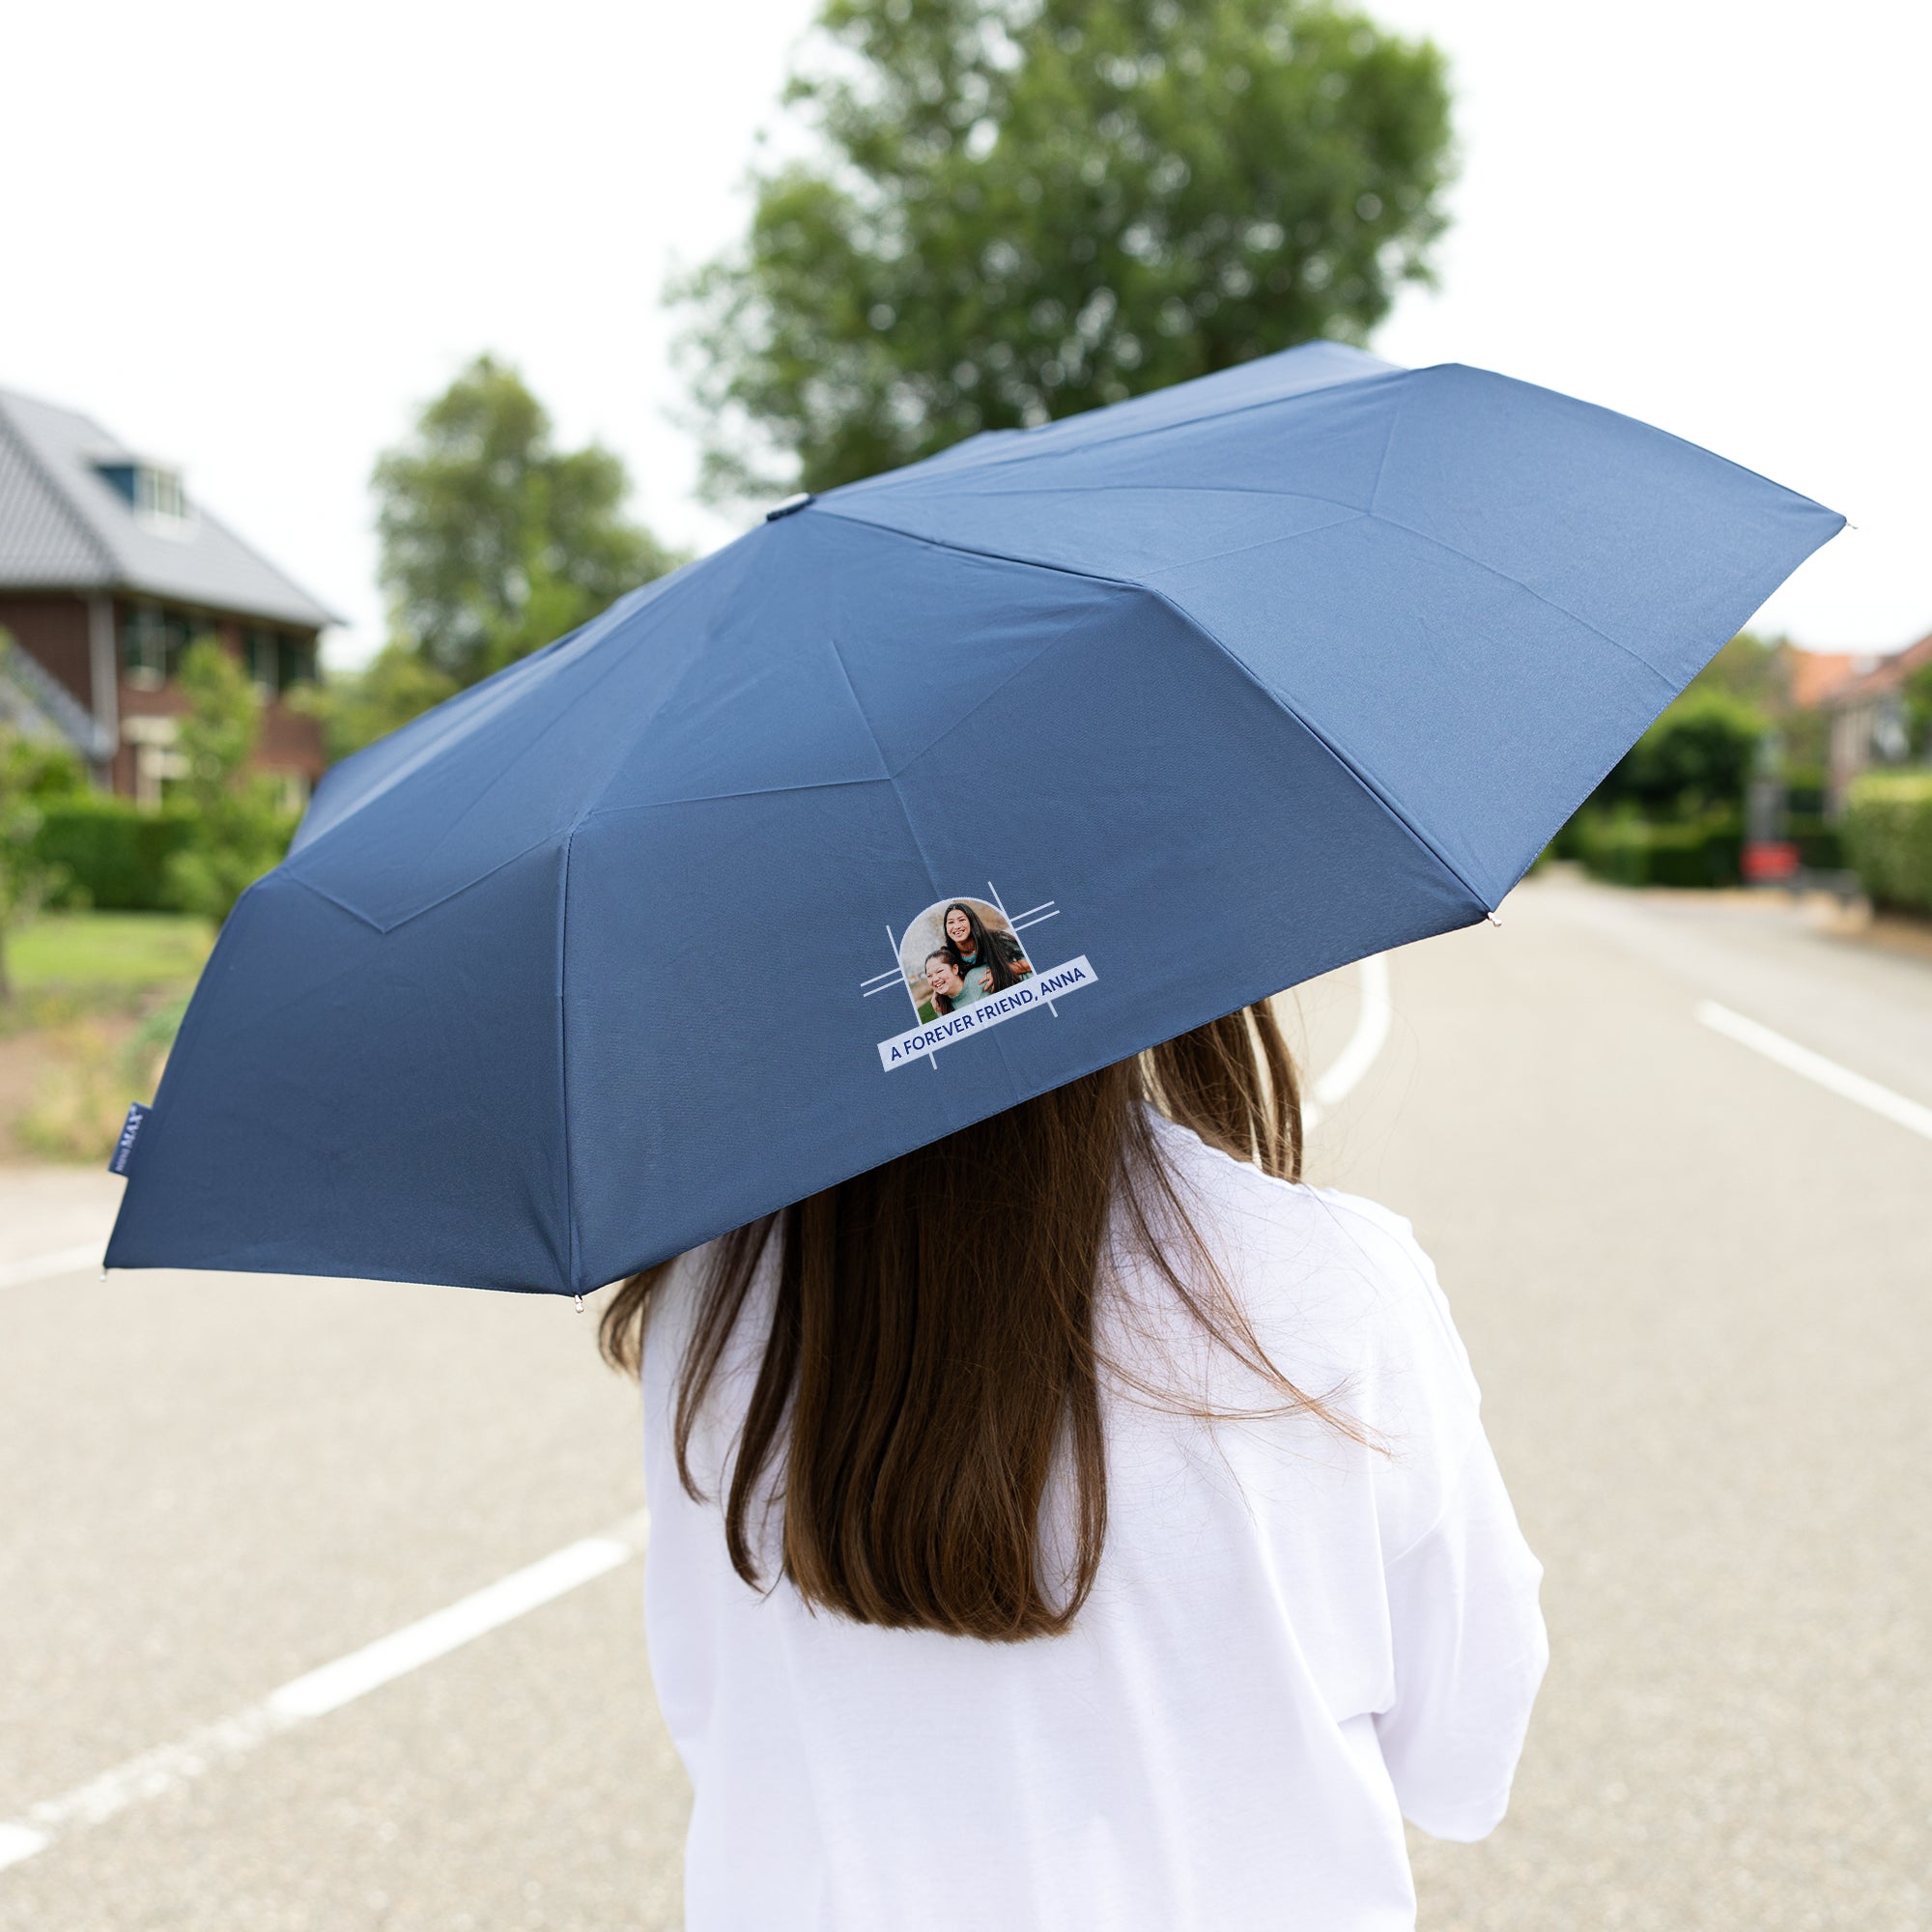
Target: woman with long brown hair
[
  {"x": 995, "y": 958},
  {"x": 1094, "y": 1534}
]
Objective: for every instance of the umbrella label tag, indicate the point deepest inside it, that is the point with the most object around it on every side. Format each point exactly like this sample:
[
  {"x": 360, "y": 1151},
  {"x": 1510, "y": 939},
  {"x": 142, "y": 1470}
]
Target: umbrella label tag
[
  {"x": 124, "y": 1148},
  {"x": 1031, "y": 995}
]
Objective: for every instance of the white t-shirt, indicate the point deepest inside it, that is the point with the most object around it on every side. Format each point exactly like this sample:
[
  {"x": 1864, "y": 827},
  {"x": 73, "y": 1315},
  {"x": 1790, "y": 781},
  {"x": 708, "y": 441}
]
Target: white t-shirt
[{"x": 1293, "y": 1641}]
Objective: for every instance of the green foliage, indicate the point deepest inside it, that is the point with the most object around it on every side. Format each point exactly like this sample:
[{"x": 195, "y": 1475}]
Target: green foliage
[
  {"x": 494, "y": 541},
  {"x": 1888, "y": 836},
  {"x": 222, "y": 726},
  {"x": 1628, "y": 849},
  {"x": 80, "y": 972},
  {"x": 1023, "y": 209},
  {"x": 114, "y": 856},
  {"x": 355, "y": 708},
  {"x": 1759, "y": 674},
  {"x": 236, "y": 828},
  {"x": 1820, "y": 846},
  {"x": 1750, "y": 671},
  {"x": 1915, "y": 693},
  {"x": 1651, "y": 820},
  {"x": 35, "y": 773},
  {"x": 1698, "y": 756},
  {"x": 76, "y": 1111},
  {"x": 106, "y": 958}
]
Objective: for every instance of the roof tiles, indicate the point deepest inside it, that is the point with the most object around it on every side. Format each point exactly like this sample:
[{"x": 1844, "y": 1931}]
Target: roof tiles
[{"x": 63, "y": 525}]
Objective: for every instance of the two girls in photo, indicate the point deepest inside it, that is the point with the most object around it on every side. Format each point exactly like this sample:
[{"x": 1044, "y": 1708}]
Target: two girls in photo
[{"x": 973, "y": 963}]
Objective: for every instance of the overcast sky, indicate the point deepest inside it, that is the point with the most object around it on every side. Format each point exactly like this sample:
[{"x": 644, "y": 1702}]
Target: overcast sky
[{"x": 255, "y": 239}]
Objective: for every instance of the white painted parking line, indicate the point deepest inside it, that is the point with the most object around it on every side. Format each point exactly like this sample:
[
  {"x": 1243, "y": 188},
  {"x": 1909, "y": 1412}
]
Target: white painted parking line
[
  {"x": 404, "y": 1650},
  {"x": 1373, "y": 1016},
  {"x": 1826, "y": 1074},
  {"x": 48, "y": 1268},
  {"x": 334, "y": 1685}
]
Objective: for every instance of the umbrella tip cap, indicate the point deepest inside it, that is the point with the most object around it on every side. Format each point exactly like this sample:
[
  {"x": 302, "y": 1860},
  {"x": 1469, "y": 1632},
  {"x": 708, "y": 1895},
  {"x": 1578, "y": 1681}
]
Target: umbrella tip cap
[{"x": 790, "y": 504}]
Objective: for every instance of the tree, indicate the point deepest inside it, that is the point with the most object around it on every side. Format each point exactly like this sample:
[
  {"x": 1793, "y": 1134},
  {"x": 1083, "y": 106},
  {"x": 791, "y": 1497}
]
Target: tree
[
  {"x": 1916, "y": 695},
  {"x": 1022, "y": 209},
  {"x": 34, "y": 772},
  {"x": 1759, "y": 673},
  {"x": 494, "y": 542},
  {"x": 1752, "y": 670},
  {"x": 239, "y": 829},
  {"x": 358, "y": 707},
  {"x": 1698, "y": 756}
]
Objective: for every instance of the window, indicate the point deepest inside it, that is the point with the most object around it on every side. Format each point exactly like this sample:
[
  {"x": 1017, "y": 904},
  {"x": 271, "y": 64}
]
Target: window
[
  {"x": 152, "y": 491},
  {"x": 144, "y": 649},
  {"x": 152, "y": 639},
  {"x": 278, "y": 663},
  {"x": 262, "y": 649},
  {"x": 159, "y": 494},
  {"x": 295, "y": 663}
]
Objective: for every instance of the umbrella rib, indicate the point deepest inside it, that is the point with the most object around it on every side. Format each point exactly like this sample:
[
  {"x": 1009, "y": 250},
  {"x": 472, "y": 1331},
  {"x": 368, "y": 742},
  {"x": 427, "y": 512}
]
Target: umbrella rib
[
  {"x": 563, "y": 1062},
  {"x": 1205, "y": 631},
  {"x": 471, "y": 709},
  {"x": 905, "y": 814},
  {"x": 1517, "y": 582},
  {"x": 1019, "y": 671},
  {"x": 1158, "y": 490},
  {"x": 884, "y": 764},
  {"x": 1381, "y": 462},
  {"x": 289, "y": 870},
  {"x": 1477, "y": 563},
  {"x": 740, "y": 791},
  {"x": 1365, "y": 780},
  {"x": 1345, "y": 515}
]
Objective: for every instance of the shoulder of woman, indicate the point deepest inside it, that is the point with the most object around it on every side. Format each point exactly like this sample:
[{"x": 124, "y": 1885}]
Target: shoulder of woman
[
  {"x": 1386, "y": 1242},
  {"x": 1338, "y": 1257}
]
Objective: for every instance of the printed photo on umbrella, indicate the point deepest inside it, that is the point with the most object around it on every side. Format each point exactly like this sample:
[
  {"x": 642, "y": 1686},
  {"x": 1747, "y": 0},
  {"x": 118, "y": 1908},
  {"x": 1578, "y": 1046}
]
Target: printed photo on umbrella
[{"x": 959, "y": 951}]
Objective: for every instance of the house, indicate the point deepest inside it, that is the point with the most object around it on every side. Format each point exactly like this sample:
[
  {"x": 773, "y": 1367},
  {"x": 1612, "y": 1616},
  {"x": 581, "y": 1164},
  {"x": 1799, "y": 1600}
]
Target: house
[
  {"x": 1868, "y": 722},
  {"x": 1812, "y": 677},
  {"x": 108, "y": 569}
]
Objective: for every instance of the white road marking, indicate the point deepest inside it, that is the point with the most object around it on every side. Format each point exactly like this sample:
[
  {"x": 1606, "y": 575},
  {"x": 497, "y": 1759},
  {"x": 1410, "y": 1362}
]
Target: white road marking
[
  {"x": 48, "y": 1268},
  {"x": 161, "y": 1770},
  {"x": 1828, "y": 1073},
  {"x": 17, "y": 1842},
  {"x": 1373, "y": 1017}
]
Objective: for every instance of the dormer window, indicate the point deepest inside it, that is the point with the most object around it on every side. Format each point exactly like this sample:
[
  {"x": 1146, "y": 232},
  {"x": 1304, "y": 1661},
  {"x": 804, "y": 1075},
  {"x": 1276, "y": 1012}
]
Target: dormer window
[
  {"x": 159, "y": 493},
  {"x": 152, "y": 491}
]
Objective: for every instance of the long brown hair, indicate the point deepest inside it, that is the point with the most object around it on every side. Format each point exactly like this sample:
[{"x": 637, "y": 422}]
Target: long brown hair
[
  {"x": 994, "y": 951},
  {"x": 931, "y": 1356}
]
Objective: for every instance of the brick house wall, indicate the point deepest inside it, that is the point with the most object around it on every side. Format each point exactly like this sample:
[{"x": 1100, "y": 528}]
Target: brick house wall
[
  {"x": 51, "y": 626},
  {"x": 54, "y": 628}
]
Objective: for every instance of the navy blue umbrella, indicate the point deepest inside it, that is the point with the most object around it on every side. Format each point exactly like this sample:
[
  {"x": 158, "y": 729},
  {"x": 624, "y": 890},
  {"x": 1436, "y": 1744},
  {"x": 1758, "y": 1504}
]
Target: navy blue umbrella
[{"x": 930, "y": 794}]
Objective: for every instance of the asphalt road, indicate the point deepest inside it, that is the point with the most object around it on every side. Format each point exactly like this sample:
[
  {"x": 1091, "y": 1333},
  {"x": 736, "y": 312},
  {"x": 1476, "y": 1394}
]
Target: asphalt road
[{"x": 1697, "y": 1287}]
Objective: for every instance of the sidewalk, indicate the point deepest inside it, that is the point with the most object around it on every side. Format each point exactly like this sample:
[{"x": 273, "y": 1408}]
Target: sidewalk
[{"x": 47, "y": 1207}]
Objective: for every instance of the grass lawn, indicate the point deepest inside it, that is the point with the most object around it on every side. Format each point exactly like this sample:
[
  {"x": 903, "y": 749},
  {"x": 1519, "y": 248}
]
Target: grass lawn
[{"x": 84, "y": 953}]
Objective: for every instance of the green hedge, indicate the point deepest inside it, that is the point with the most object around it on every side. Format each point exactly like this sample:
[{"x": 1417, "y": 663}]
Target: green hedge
[
  {"x": 1633, "y": 851},
  {"x": 1820, "y": 849},
  {"x": 1888, "y": 836},
  {"x": 115, "y": 856}
]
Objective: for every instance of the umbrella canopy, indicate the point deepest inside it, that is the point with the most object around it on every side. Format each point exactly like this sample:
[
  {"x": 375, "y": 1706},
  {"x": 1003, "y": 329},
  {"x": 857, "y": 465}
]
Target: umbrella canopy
[{"x": 1149, "y": 713}]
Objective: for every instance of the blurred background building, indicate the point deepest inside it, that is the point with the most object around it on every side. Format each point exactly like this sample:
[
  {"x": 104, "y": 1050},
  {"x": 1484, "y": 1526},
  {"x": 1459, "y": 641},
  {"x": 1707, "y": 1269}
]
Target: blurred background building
[{"x": 108, "y": 569}]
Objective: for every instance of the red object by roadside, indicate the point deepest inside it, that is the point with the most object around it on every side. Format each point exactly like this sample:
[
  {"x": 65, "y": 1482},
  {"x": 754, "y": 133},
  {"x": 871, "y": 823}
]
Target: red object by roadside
[{"x": 1769, "y": 859}]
